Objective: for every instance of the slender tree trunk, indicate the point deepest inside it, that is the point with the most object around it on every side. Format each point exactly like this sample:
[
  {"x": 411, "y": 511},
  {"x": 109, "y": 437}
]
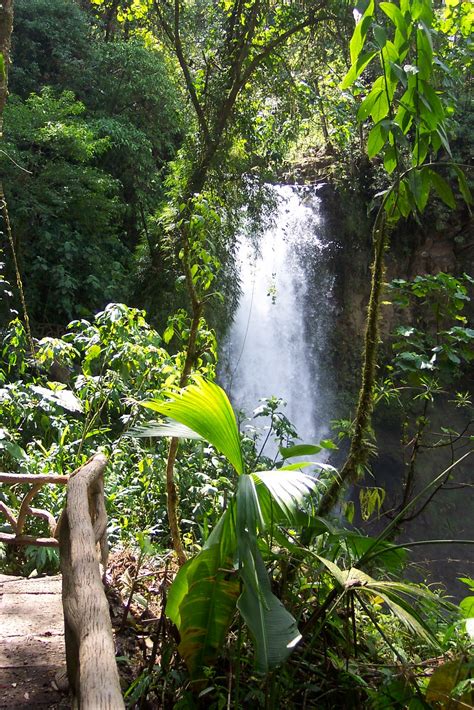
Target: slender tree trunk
[
  {"x": 353, "y": 467},
  {"x": 6, "y": 27},
  {"x": 195, "y": 185}
]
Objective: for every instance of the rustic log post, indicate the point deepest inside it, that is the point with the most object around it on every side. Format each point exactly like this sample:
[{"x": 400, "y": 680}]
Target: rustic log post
[{"x": 90, "y": 651}]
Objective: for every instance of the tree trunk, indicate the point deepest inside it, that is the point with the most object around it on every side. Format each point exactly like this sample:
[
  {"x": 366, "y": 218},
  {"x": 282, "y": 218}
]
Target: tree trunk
[{"x": 6, "y": 26}]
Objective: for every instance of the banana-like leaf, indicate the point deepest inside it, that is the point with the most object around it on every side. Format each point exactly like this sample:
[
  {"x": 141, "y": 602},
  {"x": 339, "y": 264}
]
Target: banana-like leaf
[
  {"x": 202, "y": 599},
  {"x": 224, "y": 533},
  {"x": 164, "y": 429},
  {"x": 273, "y": 628},
  {"x": 201, "y": 603},
  {"x": 249, "y": 512},
  {"x": 205, "y": 408}
]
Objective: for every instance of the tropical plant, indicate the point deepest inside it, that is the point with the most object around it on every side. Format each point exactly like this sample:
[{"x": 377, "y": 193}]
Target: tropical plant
[{"x": 230, "y": 570}]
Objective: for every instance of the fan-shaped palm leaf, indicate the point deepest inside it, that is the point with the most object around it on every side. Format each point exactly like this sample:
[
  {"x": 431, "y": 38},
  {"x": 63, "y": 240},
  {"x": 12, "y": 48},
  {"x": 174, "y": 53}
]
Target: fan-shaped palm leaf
[{"x": 205, "y": 408}]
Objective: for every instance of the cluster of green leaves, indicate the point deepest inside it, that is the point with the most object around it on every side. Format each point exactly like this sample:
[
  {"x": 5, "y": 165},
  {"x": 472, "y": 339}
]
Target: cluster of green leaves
[
  {"x": 60, "y": 202},
  {"x": 77, "y": 396},
  {"x": 206, "y": 591},
  {"x": 407, "y": 111},
  {"x": 439, "y": 338}
]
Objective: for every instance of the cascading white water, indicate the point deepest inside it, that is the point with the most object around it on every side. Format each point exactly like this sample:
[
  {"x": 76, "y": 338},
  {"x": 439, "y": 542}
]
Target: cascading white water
[{"x": 273, "y": 344}]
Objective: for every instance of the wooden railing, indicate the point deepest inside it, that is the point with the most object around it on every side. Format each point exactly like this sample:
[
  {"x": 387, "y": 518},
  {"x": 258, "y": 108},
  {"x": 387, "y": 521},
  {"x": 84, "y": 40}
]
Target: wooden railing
[
  {"x": 90, "y": 650},
  {"x": 18, "y": 523}
]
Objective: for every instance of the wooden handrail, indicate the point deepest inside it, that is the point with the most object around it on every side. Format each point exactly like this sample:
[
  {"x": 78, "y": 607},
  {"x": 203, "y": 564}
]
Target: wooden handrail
[
  {"x": 17, "y": 523},
  {"x": 90, "y": 650},
  {"x": 82, "y": 528}
]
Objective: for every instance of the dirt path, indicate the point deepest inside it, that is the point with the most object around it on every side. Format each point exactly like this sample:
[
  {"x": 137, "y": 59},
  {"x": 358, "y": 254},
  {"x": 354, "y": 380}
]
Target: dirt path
[{"x": 31, "y": 642}]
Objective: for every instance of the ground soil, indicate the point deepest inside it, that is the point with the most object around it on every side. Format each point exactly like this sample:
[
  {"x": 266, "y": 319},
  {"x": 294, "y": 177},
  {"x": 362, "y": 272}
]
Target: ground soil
[{"x": 31, "y": 643}]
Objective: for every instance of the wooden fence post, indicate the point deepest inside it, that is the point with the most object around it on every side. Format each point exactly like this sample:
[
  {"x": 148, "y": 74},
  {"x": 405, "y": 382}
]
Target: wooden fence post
[{"x": 90, "y": 650}]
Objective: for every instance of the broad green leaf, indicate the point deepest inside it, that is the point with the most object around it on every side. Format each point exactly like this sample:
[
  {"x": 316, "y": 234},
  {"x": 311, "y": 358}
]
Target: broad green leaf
[
  {"x": 201, "y": 603},
  {"x": 443, "y": 189},
  {"x": 298, "y": 450},
  {"x": 390, "y": 159},
  {"x": 406, "y": 110},
  {"x": 434, "y": 100},
  {"x": 15, "y": 451},
  {"x": 444, "y": 680},
  {"x": 428, "y": 118},
  {"x": 274, "y": 630},
  {"x": 421, "y": 10},
  {"x": 425, "y": 53},
  {"x": 421, "y": 185},
  {"x": 249, "y": 512},
  {"x": 380, "y": 108},
  {"x": 356, "y": 69},
  {"x": 168, "y": 334},
  {"x": 463, "y": 186},
  {"x": 63, "y": 398},
  {"x": 376, "y": 139},
  {"x": 405, "y": 201},
  {"x": 420, "y": 149},
  {"x": 329, "y": 444},
  {"x": 467, "y": 607},
  {"x": 380, "y": 35},
  {"x": 205, "y": 408},
  {"x": 360, "y": 32},
  {"x": 224, "y": 534},
  {"x": 394, "y": 13},
  {"x": 365, "y": 109}
]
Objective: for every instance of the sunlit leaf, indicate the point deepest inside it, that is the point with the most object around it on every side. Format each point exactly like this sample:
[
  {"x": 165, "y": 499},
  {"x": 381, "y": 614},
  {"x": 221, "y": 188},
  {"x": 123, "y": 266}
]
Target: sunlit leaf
[
  {"x": 153, "y": 429},
  {"x": 201, "y": 603},
  {"x": 287, "y": 491},
  {"x": 394, "y": 13},
  {"x": 360, "y": 32},
  {"x": 299, "y": 450},
  {"x": 64, "y": 398},
  {"x": 356, "y": 69},
  {"x": 205, "y": 408}
]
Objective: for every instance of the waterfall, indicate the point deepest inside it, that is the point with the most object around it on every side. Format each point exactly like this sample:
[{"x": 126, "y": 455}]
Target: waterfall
[{"x": 280, "y": 326}]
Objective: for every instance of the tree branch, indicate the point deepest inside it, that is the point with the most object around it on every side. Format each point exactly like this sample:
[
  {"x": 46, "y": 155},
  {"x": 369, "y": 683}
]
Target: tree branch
[{"x": 174, "y": 37}]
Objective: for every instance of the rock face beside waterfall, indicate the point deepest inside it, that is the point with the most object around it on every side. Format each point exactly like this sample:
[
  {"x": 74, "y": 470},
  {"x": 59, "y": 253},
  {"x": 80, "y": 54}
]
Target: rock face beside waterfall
[{"x": 440, "y": 243}]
